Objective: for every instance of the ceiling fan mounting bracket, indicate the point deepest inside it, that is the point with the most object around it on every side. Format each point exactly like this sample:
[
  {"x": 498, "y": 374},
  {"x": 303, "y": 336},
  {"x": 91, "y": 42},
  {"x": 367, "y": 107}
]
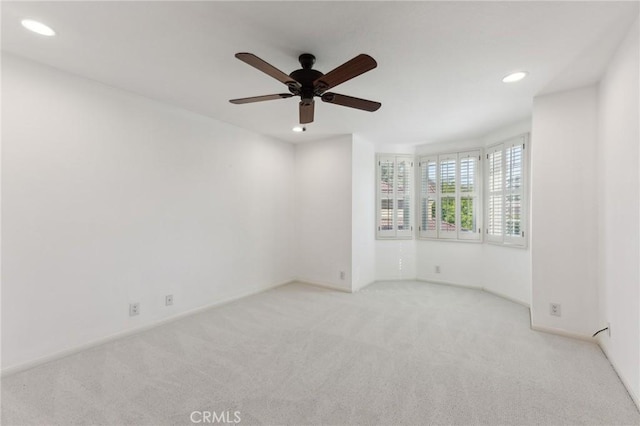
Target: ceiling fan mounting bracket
[{"x": 307, "y": 60}]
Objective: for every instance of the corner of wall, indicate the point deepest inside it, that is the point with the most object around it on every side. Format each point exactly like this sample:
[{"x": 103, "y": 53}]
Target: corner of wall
[
  {"x": 619, "y": 252},
  {"x": 323, "y": 212},
  {"x": 563, "y": 254},
  {"x": 362, "y": 212}
]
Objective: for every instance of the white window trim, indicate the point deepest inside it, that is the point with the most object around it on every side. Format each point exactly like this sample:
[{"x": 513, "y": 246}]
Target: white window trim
[
  {"x": 477, "y": 194},
  {"x": 426, "y": 233},
  {"x": 395, "y": 234},
  {"x": 503, "y": 240},
  {"x": 491, "y": 238},
  {"x": 457, "y": 235}
]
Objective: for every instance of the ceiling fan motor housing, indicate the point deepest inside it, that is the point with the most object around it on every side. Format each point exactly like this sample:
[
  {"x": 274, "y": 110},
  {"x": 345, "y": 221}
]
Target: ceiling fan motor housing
[{"x": 305, "y": 76}]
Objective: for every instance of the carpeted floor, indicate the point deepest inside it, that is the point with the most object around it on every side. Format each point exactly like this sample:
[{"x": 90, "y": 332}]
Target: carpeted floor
[{"x": 394, "y": 353}]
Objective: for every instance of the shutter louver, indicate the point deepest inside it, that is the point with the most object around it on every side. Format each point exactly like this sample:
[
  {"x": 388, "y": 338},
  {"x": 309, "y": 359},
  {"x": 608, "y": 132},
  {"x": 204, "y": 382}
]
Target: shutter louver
[
  {"x": 428, "y": 196},
  {"x": 506, "y": 192},
  {"x": 495, "y": 194},
  {"x": 469, "y": 196},
  {"x": 394, "y": 186},
  {"x": 386, "y": 197},
  {"x": 448, "y": 197},
  {"x": 513, "y": 193},
  {"x": 404, "y": 190}
]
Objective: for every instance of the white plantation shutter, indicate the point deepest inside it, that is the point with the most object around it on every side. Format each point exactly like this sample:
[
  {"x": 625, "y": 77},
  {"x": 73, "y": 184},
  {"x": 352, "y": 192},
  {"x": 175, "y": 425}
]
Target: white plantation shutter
[
  {"x": 428, "y": 197},
  {"x": 404, "y": 197},
  {"x": 469, "y": 195},
  {"x": 495, "y": 193},
  {"x": 514, "y": 193},
  {"x": 394, "y": 196},
  {"x": 386, "y": 196},
  {"x": 448, "y": 196},
  {"x": 506, "y": 197}
]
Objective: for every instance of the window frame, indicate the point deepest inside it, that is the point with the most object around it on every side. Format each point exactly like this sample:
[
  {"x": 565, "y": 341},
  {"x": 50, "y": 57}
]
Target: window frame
[
  {"x": 503, "y": 239},
  {"x": 395, "y": 233},
  {"x": 425, "y": 196},
  {"x": 476, "y": 194},
  {"x": 458, "y": 235}
]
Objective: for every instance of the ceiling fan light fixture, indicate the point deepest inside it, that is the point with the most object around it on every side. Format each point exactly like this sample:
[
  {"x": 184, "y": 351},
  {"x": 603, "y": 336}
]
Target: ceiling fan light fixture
[
  {"x": 38, "y": 27},
  {"x": 515, "y": 76}
]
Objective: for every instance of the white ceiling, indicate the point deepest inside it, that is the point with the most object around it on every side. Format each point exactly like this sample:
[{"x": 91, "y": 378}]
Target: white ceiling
[{"x": 439, "y": 71}]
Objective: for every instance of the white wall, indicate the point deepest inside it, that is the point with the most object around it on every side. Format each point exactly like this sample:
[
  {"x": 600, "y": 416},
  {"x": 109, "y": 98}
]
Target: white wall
[
  {"x": 507, "y": 270},
  {"x": 461, "y": 263},
  {"x": 323, "y": 211},
  {"x": 564, "y": 203},
  {"x": 502, "y": 270},
  {"x": 394, "y": 259},
  {"x": 363, "y": 220},
  {"x": 111, "y": 198},
  {"x": 619, "y": 211}
]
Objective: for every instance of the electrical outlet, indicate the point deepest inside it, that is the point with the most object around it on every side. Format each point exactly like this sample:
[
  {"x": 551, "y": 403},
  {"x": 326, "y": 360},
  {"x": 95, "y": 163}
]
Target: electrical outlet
[
  {"x": 342, "y": 275},
  {"x": 168, "y": 300},
  {"x": 555, "y": 309},
  {"x": 609, "y": 329},
  {"x": 437, "y": 268},
  {"x": 134, "y": 309}
]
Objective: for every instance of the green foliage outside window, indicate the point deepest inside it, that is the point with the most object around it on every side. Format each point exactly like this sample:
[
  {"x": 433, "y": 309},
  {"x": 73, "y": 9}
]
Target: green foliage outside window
[
  {"x": 448, "y": 211},
  {"x": 466, "y": 214}
]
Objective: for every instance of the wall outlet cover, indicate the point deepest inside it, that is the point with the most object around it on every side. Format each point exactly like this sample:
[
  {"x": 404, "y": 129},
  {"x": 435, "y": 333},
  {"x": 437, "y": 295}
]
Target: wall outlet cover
[
  {"x": 168, "y": 300},
  {"x": 134, "y": 309},
  {"x": 555, "y": 309}
]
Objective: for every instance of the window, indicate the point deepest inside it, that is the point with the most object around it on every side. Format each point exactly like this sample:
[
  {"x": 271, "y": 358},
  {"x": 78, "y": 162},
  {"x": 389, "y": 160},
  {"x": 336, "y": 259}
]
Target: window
[
  {"x": 428, "y": 194},
  {"x": 506, "y": 209},
  {"x": 450, "y": 196},
  {"x": 395, "y": 196}
]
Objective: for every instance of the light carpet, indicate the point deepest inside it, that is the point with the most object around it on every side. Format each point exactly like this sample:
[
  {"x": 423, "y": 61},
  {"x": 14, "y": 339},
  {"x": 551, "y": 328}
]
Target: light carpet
[{"x": 395, "y": 353}]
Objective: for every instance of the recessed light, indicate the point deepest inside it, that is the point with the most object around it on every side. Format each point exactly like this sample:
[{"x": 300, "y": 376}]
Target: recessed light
[
  {"x": 513, "y": 77},
  {"x": 38, "y": 27},
  {"x": 298, "y": 129}
]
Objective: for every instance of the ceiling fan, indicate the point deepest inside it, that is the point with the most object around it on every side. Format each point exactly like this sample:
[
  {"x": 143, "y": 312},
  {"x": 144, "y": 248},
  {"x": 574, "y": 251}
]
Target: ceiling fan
[{"x": 309, "y": 83}]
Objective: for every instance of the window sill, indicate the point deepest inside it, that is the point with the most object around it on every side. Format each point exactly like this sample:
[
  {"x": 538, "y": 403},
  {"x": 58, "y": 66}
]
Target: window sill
[
  {"x": 450, "y": 240},
  {"x": 393, "y": 238},
  {"x": 507, "y": 245}
]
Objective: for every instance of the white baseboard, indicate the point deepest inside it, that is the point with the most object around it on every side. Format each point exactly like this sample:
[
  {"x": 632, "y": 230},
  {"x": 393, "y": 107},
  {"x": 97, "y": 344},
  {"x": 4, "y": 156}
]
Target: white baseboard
[
  {"x": 560, "y": 332},
  {"x": 385, "y": 279},
  {"x": 449, "y": 283},
  {"x": 363, "y": 286},
  {"x": 511, "y": 299},
  {"x": 626, "y": 384},
  {"x": 323, "y": 284},
  {"x": 473, "y": 287},
  {"x": 135, "y": 330}
]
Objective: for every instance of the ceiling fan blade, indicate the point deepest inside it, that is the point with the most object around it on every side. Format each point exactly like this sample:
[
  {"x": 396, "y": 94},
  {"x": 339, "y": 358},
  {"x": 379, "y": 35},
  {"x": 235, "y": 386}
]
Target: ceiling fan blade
[
  {"x": 261, "y": 98},
  {"x": 267, "y": 68},
  {"x": 306, "y": 112},
  {"x": 351, "y": 102},
  {"x": 350, "y": 69}
]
